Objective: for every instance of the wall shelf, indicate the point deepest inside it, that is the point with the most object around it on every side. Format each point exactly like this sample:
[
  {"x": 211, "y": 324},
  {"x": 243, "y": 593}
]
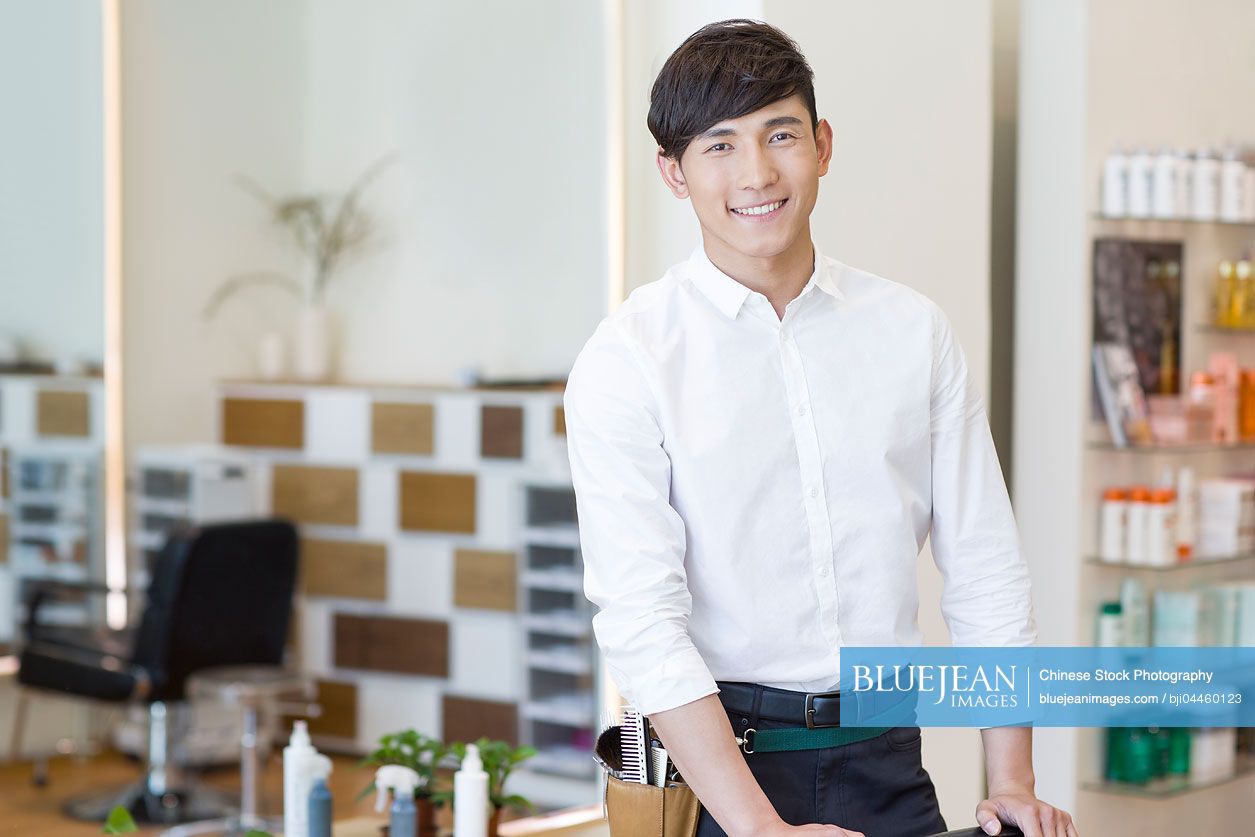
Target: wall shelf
[
  {"x": 1194, "y": 563},
  {"x": 1173, "y": 786}
]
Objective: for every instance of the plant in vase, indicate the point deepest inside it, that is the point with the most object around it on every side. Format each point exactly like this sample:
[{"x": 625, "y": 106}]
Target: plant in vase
[
  {"x": 423, "y": 755},
  {"x": 327, "y": 229},
  {"x": 499, "y": 760}
]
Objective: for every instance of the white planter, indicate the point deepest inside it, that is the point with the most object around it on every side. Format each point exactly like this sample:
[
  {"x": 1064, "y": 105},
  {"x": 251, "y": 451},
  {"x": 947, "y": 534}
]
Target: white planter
[{"x": 312, "y": 344}]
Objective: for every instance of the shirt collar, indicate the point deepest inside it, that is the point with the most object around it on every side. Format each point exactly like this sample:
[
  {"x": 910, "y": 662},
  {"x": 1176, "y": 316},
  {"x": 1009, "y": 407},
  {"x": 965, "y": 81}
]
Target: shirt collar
[{"x": 728, "y": 295}]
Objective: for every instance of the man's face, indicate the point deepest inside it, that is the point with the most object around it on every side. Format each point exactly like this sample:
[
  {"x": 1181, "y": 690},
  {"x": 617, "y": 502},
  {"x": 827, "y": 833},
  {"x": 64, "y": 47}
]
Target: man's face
[{"x": 753, "y": 180}]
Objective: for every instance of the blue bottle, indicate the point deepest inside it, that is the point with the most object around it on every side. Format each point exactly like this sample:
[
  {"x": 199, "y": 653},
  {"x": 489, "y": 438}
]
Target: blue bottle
[
  {"x": 403, "y": 819},
  {"x": 319, "y": 822}
]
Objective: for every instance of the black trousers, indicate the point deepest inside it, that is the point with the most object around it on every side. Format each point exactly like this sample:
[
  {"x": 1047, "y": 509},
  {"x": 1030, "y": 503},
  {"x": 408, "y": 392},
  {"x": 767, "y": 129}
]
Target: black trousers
[{"x": 877, "y": 786}]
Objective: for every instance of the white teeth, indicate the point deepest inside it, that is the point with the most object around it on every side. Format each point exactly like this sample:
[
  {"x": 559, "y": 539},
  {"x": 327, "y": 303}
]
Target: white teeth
[{"x": 760, "y": 210}]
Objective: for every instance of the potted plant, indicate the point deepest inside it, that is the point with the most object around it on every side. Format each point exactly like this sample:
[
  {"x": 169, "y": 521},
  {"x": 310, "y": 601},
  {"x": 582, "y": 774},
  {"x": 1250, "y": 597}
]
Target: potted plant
[
  {"x": 327, "y": 229},
  {"x": 420, "y": 753},
  {"x": 499, "y": 759}
]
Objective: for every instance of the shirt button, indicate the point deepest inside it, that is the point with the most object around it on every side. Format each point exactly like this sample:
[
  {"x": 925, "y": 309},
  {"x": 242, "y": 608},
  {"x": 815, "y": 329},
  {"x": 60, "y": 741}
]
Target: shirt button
[
  {"x": 801, "y": 411},
  {"x": 814, "y": 492},
  {"x": 824, "y": 572}
]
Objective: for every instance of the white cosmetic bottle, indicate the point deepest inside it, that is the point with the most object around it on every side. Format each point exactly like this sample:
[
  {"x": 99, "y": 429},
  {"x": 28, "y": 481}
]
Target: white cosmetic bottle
[
  {"x": 470, "y": 796},
  {"x": 298, "y": 768}
]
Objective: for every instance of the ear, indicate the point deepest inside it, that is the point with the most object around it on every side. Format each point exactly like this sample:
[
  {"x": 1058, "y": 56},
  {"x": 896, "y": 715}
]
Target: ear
[
  {"x": 672, "y": 175},
  {"x": 823, "y": 145}
]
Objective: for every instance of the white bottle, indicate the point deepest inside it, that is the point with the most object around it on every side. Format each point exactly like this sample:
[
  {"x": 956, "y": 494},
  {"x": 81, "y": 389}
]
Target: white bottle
[
  {"x": 1205, "y": 187},
  {"x": 1185, "y": 177},
  {"x": 1161, "y": 528},
  {"x": 1113, "y": 525},
  {"x": 1164, "y": 185},
  {"x": 298, "y": 768},
  {"x": 1135, "y": 541},
  {"x": 1248, "y": 188},
  {"x": 1141, "y": 166},
  {"x": 1115, "y": 184},
  {"x": 1232, "y": 181},
  {"x": 470, "y": 796},
  {"x": 1187, "y": 514},
  {"x": 1110, "y": 625}
]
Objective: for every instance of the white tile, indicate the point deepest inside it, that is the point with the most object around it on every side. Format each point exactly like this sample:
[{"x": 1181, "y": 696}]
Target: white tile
[
  {"x": 486, "y": 655},
  {"x": 17, "y": 410},
  {"x": 378, "y": 501},
  {"x": 420, "y": 576},
  {"x": 498, "y": 509},
  {"x": 545, "y": 450},
  {"x": 391, "y": 703},
  {"x": 314, "y": 634},
  {"x": 337, "y": 426},
  {"x": 457, "y": 430}
]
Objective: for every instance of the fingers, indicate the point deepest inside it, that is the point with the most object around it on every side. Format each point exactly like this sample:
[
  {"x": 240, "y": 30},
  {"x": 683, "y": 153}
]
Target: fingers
[{"x": 987, "y": 818}]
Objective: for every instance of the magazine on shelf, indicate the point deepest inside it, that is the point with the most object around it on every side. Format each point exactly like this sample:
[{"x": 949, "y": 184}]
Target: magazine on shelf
[{"x": 1121, "y": 395}]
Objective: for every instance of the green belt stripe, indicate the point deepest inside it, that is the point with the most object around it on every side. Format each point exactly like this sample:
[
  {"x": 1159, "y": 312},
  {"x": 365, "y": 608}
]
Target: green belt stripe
[{"x": 801, "y": 738}]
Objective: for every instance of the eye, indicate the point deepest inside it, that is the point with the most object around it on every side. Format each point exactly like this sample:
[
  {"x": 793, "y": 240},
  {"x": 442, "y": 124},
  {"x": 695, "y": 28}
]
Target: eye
[
  {"x": 719, "y": 146},
  {"x": 782, "y": 136}
]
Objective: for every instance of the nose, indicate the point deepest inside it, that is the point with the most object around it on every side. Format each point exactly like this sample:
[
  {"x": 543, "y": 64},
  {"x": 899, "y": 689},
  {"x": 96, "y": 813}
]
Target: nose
[{"x": 757, "y": 171}]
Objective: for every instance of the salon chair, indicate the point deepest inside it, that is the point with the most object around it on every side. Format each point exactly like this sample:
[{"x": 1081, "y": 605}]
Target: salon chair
[
  {"x": 977, "y": 831},
  {"x": 219, "y": 595}
]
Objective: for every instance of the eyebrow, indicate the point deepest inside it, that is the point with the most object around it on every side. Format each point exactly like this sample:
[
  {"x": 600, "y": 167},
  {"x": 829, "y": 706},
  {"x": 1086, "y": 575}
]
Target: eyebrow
[{"x": 774, "y": 122}]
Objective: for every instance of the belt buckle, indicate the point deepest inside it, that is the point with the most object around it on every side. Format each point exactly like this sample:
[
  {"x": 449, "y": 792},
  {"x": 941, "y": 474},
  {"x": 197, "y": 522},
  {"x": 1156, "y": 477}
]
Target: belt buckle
[{"x": 810, "y": 709}]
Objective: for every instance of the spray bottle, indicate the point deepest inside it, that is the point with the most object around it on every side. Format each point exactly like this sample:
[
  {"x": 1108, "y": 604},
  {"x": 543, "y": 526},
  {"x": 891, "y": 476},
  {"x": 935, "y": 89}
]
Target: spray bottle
[
  {"x": 297, "y": 758},
  {"x": 402, "y": 781},
  {"x": 319, "y": 819},
  {"x": 470, "y": 796}
]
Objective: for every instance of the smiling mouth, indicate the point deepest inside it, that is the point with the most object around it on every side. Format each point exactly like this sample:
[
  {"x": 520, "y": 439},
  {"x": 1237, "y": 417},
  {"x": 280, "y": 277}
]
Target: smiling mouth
[{"x": 760, "y": 210}]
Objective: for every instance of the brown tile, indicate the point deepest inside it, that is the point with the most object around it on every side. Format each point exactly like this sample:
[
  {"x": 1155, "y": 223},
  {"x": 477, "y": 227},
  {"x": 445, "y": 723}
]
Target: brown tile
[
  {"x": 62, "y": 413},
  {"x": 263, "y": 422},
  {"x": 402, "y": 428},
  {"x": 501, "y": 432},
  {"x": 4, "y": 538},
  {"x": 390, "y": 643},
  {"x": 432, "y": 502},
  {"x": 559, "y": 421},
  {"x": 313, "y": 494},
  {"x": 339, "y": 710},
  {"x": 350, "y": 569},
  {"x": 466, "y": 719},
  {"x": 485, "y": 579}
]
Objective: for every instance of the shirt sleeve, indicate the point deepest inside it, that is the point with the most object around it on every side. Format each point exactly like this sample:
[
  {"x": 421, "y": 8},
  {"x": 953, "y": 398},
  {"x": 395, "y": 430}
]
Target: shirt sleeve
[
  {"x": 632, "y": 538},
  {"x": 986, "y": 595}
]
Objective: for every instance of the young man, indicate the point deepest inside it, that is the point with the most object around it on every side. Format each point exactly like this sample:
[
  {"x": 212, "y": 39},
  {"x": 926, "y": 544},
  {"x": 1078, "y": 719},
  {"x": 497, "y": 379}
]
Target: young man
[{"x": 760, "y": 442}]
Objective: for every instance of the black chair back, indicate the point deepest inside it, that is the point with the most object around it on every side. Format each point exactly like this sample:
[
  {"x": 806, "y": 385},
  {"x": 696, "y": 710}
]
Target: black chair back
[{"x": 219, "y": 595}]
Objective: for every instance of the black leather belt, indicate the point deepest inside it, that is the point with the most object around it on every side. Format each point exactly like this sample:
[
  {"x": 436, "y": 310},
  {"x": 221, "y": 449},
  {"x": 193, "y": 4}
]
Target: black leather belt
[{"x": 814, "y": 709}]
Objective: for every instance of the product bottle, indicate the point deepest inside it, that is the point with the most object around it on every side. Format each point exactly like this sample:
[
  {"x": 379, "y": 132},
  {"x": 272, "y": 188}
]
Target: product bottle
[
  {"x": 1225, "y": 289},
  {"x": 1110, "y": 632},
  {"x": 1161, "y": 528},
  {"x": 1135, "y": 537},
  {"x": 1141, "y": 172},
  {"x": 1164, "y": 186},
  {"x": 1115, "y": 177},
  {"x": 1136, "y": 611},
  {"x": 1232, "y": 177},
  {"x": 402, "y": 781},
  {"x": 1244, "y": 289},
  {"x": 470, "y": 796},
  {"x": 1187, "y": 514},
  {"x": 1223, "y": 367},
  {"x": 1184, "y": 183},
  {"x": 1205, "y": 186},
  {"x": 298, "y": 758},
  {"x": 1113, "y": 525},
  {"x": 319, "y": 816}
]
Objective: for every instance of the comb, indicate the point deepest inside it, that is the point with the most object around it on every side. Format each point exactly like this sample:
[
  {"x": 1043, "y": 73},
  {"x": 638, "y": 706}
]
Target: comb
[{"x": 633, "y": 748}]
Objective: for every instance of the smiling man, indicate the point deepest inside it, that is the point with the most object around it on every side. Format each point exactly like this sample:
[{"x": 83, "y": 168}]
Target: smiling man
[{"x": 760, "y": 443}]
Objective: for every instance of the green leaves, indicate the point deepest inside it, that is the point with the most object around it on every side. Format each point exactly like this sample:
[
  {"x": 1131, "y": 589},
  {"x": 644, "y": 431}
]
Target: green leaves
[{"x": 119, "y": 821}]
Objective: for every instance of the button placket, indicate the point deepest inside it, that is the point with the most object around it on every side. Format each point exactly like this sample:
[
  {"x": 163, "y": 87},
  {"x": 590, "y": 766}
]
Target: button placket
[{"x": 806, "y": 438}]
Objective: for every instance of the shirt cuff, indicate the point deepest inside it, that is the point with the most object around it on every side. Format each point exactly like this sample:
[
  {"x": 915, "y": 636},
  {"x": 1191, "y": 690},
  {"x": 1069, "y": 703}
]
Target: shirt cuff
[{"x": 681, "y": 678}]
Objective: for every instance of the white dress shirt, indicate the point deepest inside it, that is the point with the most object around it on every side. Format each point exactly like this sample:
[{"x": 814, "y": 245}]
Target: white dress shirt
[{"x": 753, "y": 492}]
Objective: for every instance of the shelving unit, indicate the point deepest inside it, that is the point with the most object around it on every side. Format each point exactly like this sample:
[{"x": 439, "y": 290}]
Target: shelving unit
[
  {"x": 1085, "y": 88},
  {"x": 559, "y": 709}
]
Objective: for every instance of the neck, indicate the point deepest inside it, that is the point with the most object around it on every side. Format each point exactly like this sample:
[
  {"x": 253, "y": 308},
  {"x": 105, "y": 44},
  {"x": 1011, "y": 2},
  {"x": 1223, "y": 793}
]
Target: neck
[{"x": 779, "y": 277}]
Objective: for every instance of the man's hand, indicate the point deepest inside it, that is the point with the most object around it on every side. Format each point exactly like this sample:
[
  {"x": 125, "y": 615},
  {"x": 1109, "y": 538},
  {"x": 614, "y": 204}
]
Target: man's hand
[{"x": 1019, "y": 807}]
